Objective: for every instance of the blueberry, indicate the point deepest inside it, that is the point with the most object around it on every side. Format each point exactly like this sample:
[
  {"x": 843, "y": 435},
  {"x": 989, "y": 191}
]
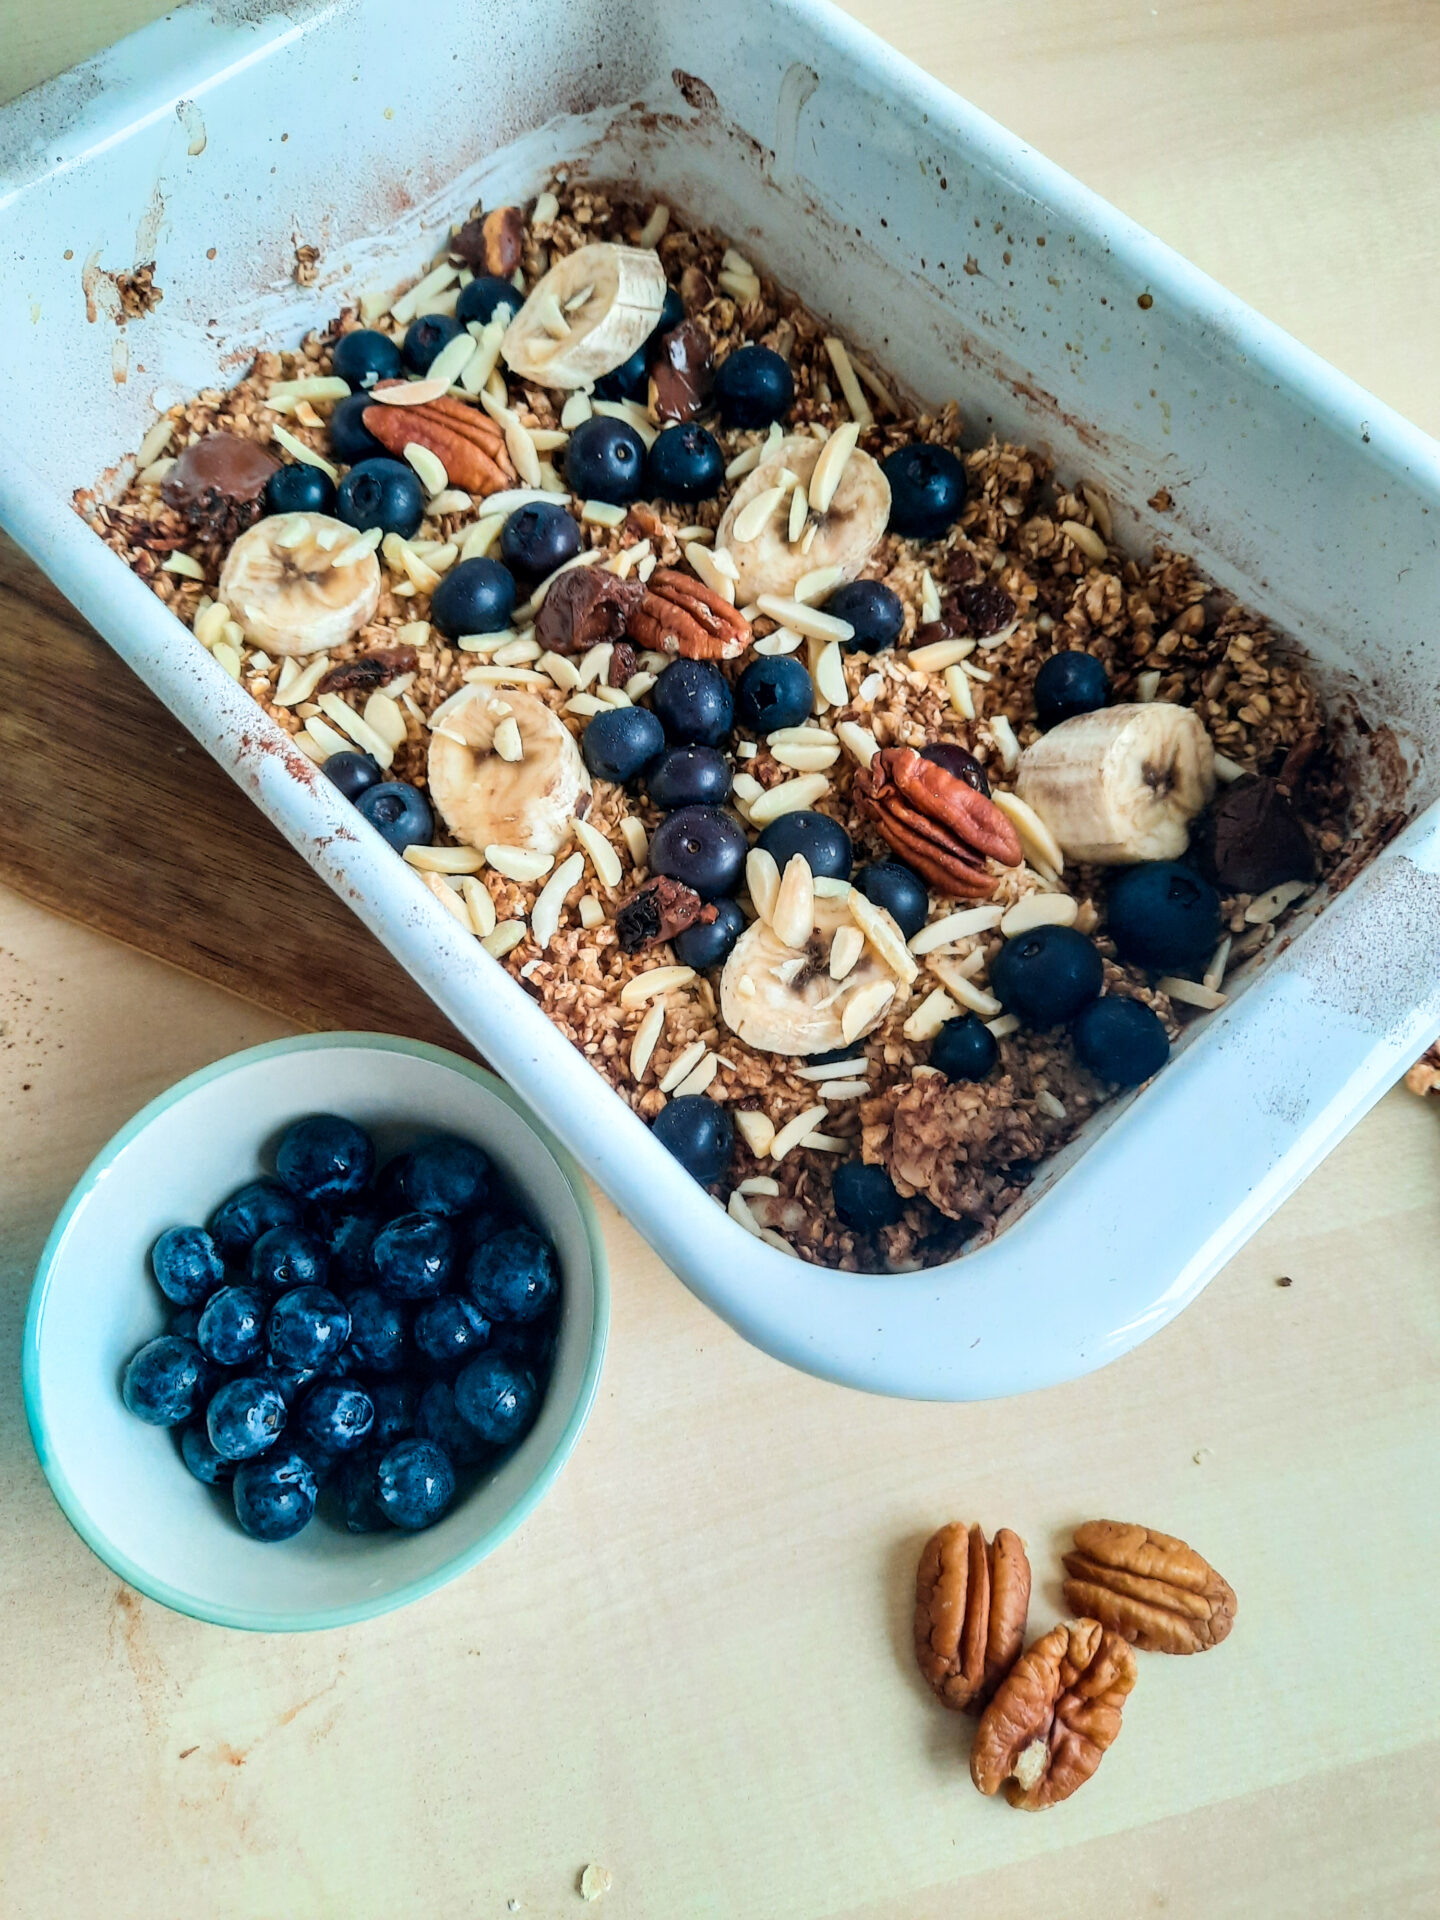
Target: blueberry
[
  {"x": 325, "y": 1157},
  {"x": 450, "y": 1330},
  {"x": 689, "y": 777},
  {"x": 685, "y": 463},
  {"x": 202, "y": 1459},
  {"x": 620, "y": 744},
  {"x": 865, "y": 1197},
  {"x": 382, "y": 493},
  {"x": 238, "y": 1222},
  {"x": 166, "y": 1381},
  {"x": 774, "y": 691},
  {"x": 1162, "y": 915},
  {"x": 483, "y": 1226},
  {"x": 901, "y": 892},
  {"x": 700, "y": 1134},
  {"x": 927, "y": 490},
  {"x": 413, "y": 1256},
  {"x": 964, "y": 1049},
  {"x": 350, "y": 439},
  {"x": 335, "y": 1416},
  {"x": 288, "y": 1382},
  {"x": 1121, "y": 1041},
  {"x": 1047, "y": 975},
  {"x": 478, "y": 596},
  {"x": 823, "y": 841},
  {"x": 359, "y": 1508},
  {"x": 531, "y": 1346},
  {"x": 378, "y": 1337},
  {"x": 672, "y": 312},
  {"x": 701, "y": 847},
  {"x": 307, "y": 1327},
  {"x": 483, "y": 299},
  {"x": 288, "y": 1257},
  {"x": 187, "y": 1265},
  {"x": 876, "y": 614},
  {"x": 514, "y": 1276},
  {"x": 389, "y": 1196},
  {"x": 275, "y": 1498},
  {"x": 694, "y": 703},
  {"x": 414, "y": 1484},
  {"x": 1067, "y": 684},
  {"x": 245, "y": 1417},
  {"x": 399, "y": 813},
  {"x": 232, "y": 1327},
  {"x": 539, "y": 538},
  {"x": 364, "y": 356},
  {"x": 427, "y": 337},
  {"x": 396, "y": 1400},
  {"x": 437, "y": 1419},
  {"x": 447, "y": 1176},
  {"x": 185, "y": 1323},
  {"x": 709, "y": 943},
  {"x": 630, "y": 380},
  {"x": 352, "y": 773},
  {"x": 497, "y": 1397},
  {"x": 957, "y": 760},
  {"x": 299, "y": 488},
  {"x": 753, "y": 387},
  {"x": 605, "y": 460}
]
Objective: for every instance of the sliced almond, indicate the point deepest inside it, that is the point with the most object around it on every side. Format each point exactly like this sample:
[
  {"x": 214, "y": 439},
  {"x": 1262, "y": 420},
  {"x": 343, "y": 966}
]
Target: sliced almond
[
  {"x": 793, "y": 916},
  {"x": 1002, "y": 1028},
  {"x": 603, "y": 856},
  {"x": 699, "y": 1077},
  {"x": 829, "y": 675},
  {"x": 1085, "y": 538},
  {"x": 637, "y": 841},
  {"x": 680, "y": 1066},
  {"x": 760, "y": 1183},
  {"x": 933, "y": 1011},
  {"x": 429, "y": 465},
  {"x": 445, "y": 859},
  {"x": 448, "y": 899},
  {"x": 828, "y": 887},
  {"x": 508, "y": 934},
  {"x": 939, "y": 655},
  {"x": 845, "y": 373},
  {"x": 858, "y": 742},
  {"x": 592, "y": 914},
  {"x": 788, "y": 797},
  {"x": 817, "y": 585},
  {"x": 383, "y": 716},
  {"x": 647, "y": 1036},
  {"x": 883, "y": 934},
  {"x": 782, "y": 640},
  {"x": 519, "y": 863},
  {"x": 962, "y": 989},
  {"x": 808, "y": 757},
  {"x": 1220, "y": 960},
  {"x": 809, "y": 621},
  {"x": 830, "y": 467},
  {"x": 507, "y": 742},
  {"x": 956, "y": 926},
  {"x": 754, "y": 518},
  {"x": 644, "y": 986},
  {"x": 1036, "y": 838},
  {"x": 364, "y": 736},
  {"x": 794, "y": 1131},
  {"x": 762, "y": 881},
  {"x": 550, "y": 904},
  {"x": 1191, "y": 993},
  {"x": 864, "y": 1008},
  {"x": 957, "y": 686},
  {"x": 845, "y": 949},
  {"x": 705, "y": 566},
  {"x": 1039, "y": 910},
  {"x": 1269, "y": 906},
  {"x": 799, "y": 512},
  {"x": 757, "y": 1130},
  {"x": 739, "y": 1211},
  {"x": 479, "y": 905}
]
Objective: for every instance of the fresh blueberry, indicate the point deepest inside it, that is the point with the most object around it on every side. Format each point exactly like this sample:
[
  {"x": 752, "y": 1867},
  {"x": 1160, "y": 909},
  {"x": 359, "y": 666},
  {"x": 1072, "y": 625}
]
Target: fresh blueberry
[
  {"x": 478, "y": 596},
  {"x": 620, "y": 744},
  {"x": 694, "y": 703},
  {"x": 964, "y": 1049},
  {"x": 364, "y": 356},
  {"x": 483, "y": 299},
  {"x": 238, "y": 1222},
  {"x": 399, "y": 813},
  {"x": 447, "y": 1176},
  {"x": 299, "y": 488},
  {"x": 427, "y": 337},
  {"x": 350, "y": 439},
  {"x": 672, "y": 312},
  {"x": 753, "y": 387},
  {"x": 288, "y": 1382},
  {"x": 1047, "y": 975},
  {"x": 245, "y": 1417},
  {"x": 414, "y": 1484},
  {"x": 396, "y": 1400},
  {"x": 927, "y": 490},
  {"x": 413, "y": 1256},
  {"x": 823, "y": 841},
  {"x": 378, "y": 1339},
  {"x": 689, "y": 777},
  {"x": 701, "y": 847},
  {"x": 483, "y": 1226},
  {"x": 334, "y": 1416},
  {"x": 1119, "y": 1040},
  {"x": 497, "y": 1397},
  {"x": 959, "y": 761},
  {"x": 700, "y": 1134},
  {"x": 202, "y": 1459},
  {"x": 359, "y": 1508},
  {"x": 187, "y": 1265},
  {"x": 325, "y": 1157},
  {"x": 539, "y": 538},
  {"x": 1162, "y": 915},
  {"x": 352, "y": 773},
  {"x": 437, "y": 1419},
  {"x": 382, "y": 493},
  {"x": 865, "y": 1197},
  {"x": 774, "y": 691},
  {"x": 515, "y": 1276},
  {"x": 450, "y": 1330},
  {"x": 531, "y": 1345},
  {"x": 275, "y": 1498},
  {"x": 1067, "y": 684},
  {"x": 185, "y": 1323},
  {"x": 876, "y": 614},
  {"x": 901, "y": 892},
  {"x": 709, "y": 943},
  {"x": 685, "y": 463},
  {"x": 630, "y": 380},
  {"x": 232, "y": 1327},
  {"x": 307, "y": 1327},
  {"x": 605, "y": 460},
  {"x": 165, "y": 1381},
  {"x": 288, "y": 1257}
]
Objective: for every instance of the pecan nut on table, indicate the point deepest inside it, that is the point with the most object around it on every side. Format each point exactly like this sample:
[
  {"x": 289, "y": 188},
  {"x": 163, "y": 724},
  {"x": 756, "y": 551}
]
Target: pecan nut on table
[
  {"x": 1156, "y": 1592},
  {"x": 971, "y": 1600},
  {"x": 1055, "y": 1715}
]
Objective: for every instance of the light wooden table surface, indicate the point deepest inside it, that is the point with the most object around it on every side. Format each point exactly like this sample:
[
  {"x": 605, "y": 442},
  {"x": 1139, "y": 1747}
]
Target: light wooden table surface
[{"x": 692, "y": 1664}]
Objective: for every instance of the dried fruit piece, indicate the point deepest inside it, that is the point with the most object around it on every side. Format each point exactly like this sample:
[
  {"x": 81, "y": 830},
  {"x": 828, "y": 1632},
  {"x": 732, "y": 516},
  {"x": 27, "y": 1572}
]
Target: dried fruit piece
[
  {"x": 1156, "y": 1592},
  {"x": 586, "y": 607},
  {"x": 492, "y": 244},
  {"x": 971, "y": 1600},
  {"x": 658, "y": 912},
  {"x": 1053, "y": 1716}
]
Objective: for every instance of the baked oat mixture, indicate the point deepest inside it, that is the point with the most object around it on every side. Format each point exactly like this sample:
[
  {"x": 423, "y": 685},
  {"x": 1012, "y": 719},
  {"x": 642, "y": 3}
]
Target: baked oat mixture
[{"x": 641, "y": 745}]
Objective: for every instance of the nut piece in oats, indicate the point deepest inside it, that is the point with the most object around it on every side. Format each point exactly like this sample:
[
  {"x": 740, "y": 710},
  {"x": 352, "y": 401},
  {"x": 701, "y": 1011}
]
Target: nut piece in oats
[
  {"x": 469, "y": 445},
  {"x": 486, "y": 799},
  {"x": 937, "y": 822},
  {"x": 586, "y": 316},
  {"x": 680, "y": 614},
  {"x": 971, "y": 1600},
  {"x": 847, "y": 532},
  {"x": 658, "y": 912},
  {"x": 1122, "y": 784},
  {"x": 297, "y": 584},
  {"x": 782, "y": 1000},
  {"x": 218, "y": 483},
  {"x": 492, "y": 244},
  {"x": 585, "y": 607},
  {"x": 1153, "y": 1590},
  {"x": 1054, "y": 1715}
]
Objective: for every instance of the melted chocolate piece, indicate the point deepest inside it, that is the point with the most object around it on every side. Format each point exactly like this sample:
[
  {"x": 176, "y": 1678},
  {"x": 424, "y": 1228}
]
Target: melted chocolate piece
[
  {"x": 217, "y": 472},
  {"x": 1252, "y": 839},
  {"x": 658, "y": 912},
  {"x": 369, "y": 670},
  {"x": 954, "y": 759},
  {"x": 623, "y": 662},
  {"x": 682, "y": 373},
  {"x": 585, "y": 606}
]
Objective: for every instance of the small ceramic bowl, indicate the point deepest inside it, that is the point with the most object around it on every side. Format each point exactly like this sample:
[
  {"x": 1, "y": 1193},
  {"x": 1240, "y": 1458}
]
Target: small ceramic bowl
[{"x": 122, "y": 1484}]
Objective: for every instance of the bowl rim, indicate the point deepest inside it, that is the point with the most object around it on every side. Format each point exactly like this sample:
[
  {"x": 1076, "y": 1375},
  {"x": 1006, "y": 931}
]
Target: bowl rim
[{"x": 259, "y": 1620}]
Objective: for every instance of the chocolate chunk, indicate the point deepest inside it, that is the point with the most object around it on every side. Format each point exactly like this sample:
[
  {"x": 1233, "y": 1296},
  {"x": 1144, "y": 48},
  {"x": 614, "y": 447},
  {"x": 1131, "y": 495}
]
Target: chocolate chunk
[
  {"x": 1252, "y": 839},
  {"x": 218, "y": 483},
  {"x": 369, "y": 670},
  {"x": 956, "y": 760},
  {"x": 622, "y": 664},
  {"x": 950, "y": 626},
  {"x": 682, "y": 372},
  {"x": 469, "y": 245},
  {"x": 658, "y": 912},
  {"x": 585, "y": 606},
  {"x": 986, "y": 607},
  {"x": 493, "y": 243}
]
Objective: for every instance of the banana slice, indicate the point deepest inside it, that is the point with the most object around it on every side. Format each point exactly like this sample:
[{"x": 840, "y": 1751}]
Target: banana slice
[
  {"x": 281, "y": 581},
  {"x": 586, "y": 316},
  {"x": 487, "y": 799},
  {"x": 783, "y": 1001},
  {"x": 1122, "y": 784},
  {"x": 846, "y": 534}
]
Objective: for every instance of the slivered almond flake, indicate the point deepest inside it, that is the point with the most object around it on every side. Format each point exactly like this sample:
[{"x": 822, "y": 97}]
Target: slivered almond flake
[
  {"x": 807, "y": 756},
  {"x": 753, "y": 518},
  {"x": 1008, "y": 747},
  {"x": 817, "y": 585},
  {"x": 595, "y": 664},
  {"x": 794, "y": 1131},
  {"x": 809, "y": 621},
  {"x": 491, "y": 676},
  {"x": 1099, "y": 505},
  {"x": 1048, "y": 1104},
  {"x": 762, "y": 881},
  {"x": 782, "y": 640},
  {"x": 858, "y": 742},
  {"x": 876, "y": 385},
  {"x": 518, "y": 863},
  {"x": 592, "y": 914},
  {"x": 745, "y": 790},
  {"x": 602, "y": 513},
  {"x": 859, "y": 406},
  {"x": 654, "y": 228},
  {"x": 547, "y": 310},
  {"x": 524, "y": 453},
  {"x": 829, "y": 675},
  {"x": 699, "y": 1078},
  {"x": 479, "y": 905},
  {"x": 518, "y": 652},
  {"x": 1085, "y": 538},
  {"x": 355, "y": 550},
  {"x": 575, "y": 412},
  {"x": 1035, "y": 837},
  {"x": 1147, "y": 685},
  {"x": 976, "y": 673},
  {"x": 445, "y": 859},
  {"x": 545, "y": 210},
  {"x": 632, "y": 414},
  {"x": 1002, "y": 1028},
  {"x": 448, "y": 899},
  {"x": 745, "y": 292},
  {"x": 705, "y": 566},
  {"x": 939, "y": 655},
  {"x": 1269, "y": 906},
  {"x": 225, "y": 655},
  {"x": 929, "y": 598},
  {"x": 739, "y": 1211},
  {"x": 642, "y": 987},
  {"x": 864, "y": 1007},
  {"x": 883, "y": 934},
  {"x": 745, "y": 462},
  {"x": 1039, "y": 910},
  {"x": 637, "y": 841},
  {"x": 590, "y": 558},
  {"x": 846, "y": 948},
  {"x": 578, "y": 300},
  {"x": 477, "y": 372},
  {"x": 760, "y": 1183},
  {"x": 962, "y": 989},
  {"x": 561, "y": 669},
  {"x": 957, "y": 686},
  {"x": 409, "y": 304},
  {"x": 448, "y": 500},
  {"x": 933, "y": 1011},
  {"x": 647, "y": 1036},
  {"x": 801, "y": 736},
  {"x": 1220, "y": 960},
  {"x": 638, "y": 685},
  {"x": 508, "y": 934},
  {"x": 645, "y": 568},
  {"x": 789, "y": 971},
  {"x": 182, "y": 564},
  {"x": 301, "y": 682},
  {"x": 507, "y": 742},
  {"x": 827, "y": 887},
  {"x": 845, "y": 1089},
  {"x": 1227, "y": 769},
  {"x": 210, "y": 627},
  {"x": 829, "y": 469},
  {"x": 826, "y": 1143},
  {"x": 603, "y": 856},
  {"x": 453, "y": 358},
  {"x": 788, "y": 797},
  {"x": 429, "y": 466},
  {"x": 705, "y": 535},
  {"x": 298, "y": 450},
  {"x": 757, "y": 1130},
  {"x": 550, "y": 903},
  {"x": 1191, "y": 993},
  {"x": 988, "y": 642},
  {"x": 157, "y": 439},
  {"x": 364, "y": 736},
  {"x": 482, "y": 537},
  {"x": 792, "y": 920}
]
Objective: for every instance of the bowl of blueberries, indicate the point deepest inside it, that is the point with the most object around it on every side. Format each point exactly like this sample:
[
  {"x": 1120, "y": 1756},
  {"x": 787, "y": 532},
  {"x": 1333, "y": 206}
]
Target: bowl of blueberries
[{"x": 315, "y": 1332}]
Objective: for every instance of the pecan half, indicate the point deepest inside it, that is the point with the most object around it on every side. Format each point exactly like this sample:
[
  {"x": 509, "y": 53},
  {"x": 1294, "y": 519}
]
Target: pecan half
[
  {"x": 680, "y": 614},
  {"x": 369, "y": 670},
  {"x": 1153, "y": 1590},
  {"x": 584, "y": 607},
  {"x": 492, "y": 244},
  {"x": 1054, "y": 1715},
  {"x": 970, "y": 1606},
  {"x": 658, "y": 912},
  {"x": 936, "y": 822},
  {"x": 683, "y": 372},
  {"x": 468, "y": 444}
]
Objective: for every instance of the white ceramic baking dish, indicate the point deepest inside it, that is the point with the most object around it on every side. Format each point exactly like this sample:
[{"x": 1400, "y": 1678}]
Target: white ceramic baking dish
[{"x": 216, "y": 140}]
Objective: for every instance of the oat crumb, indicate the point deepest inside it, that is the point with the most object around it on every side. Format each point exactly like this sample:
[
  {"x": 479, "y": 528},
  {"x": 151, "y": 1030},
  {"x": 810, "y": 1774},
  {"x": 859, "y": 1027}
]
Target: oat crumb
[
  {"x": 594, "y": 1883},
  {"x": 307, "y": 264}
]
